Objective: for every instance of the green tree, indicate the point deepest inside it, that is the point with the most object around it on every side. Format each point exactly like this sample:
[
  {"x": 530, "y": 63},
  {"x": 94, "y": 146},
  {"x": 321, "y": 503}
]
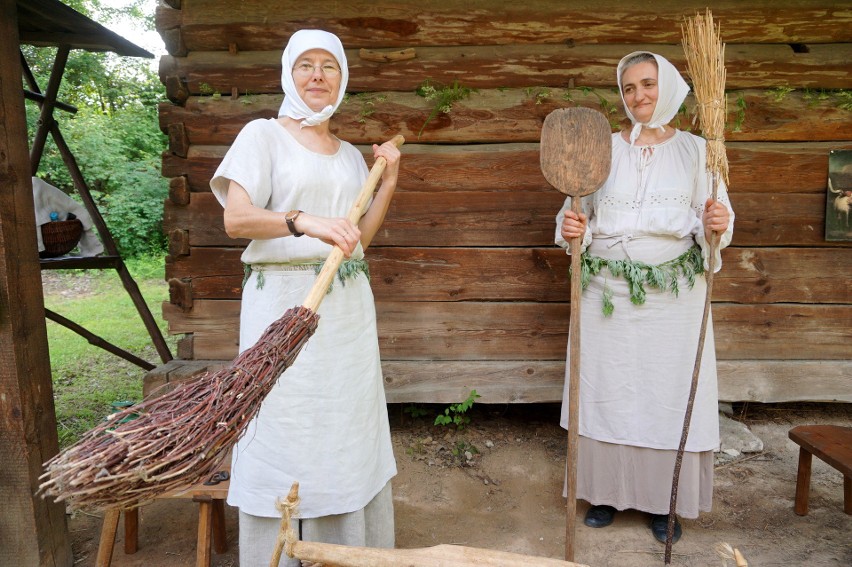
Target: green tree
[{"x": 114, "y": 135}]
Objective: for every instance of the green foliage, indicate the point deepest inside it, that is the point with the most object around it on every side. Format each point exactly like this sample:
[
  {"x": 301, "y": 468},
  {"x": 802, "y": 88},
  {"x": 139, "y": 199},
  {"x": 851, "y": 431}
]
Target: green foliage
[
  {"x": 114, "y": 136},
  {"x": 455, "y": 414},
  {"x": 539, "y": 94},
  {"x": 779, "y": 93},
  {"x": 444, "y": 97},
  {"x": 88, "y": 380},
  {"x": 415, "y": 411},
  {"x": 739, "y": 117},
  {"x": 461, "y": 447},
  {"x": 664, "y": 277}
]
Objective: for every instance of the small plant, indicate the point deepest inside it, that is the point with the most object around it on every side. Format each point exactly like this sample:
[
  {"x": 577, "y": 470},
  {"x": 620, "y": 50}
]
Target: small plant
[
  {"x": 779, "y": 93},
  {"x": 538, "y": 94},
  {"x": 455, "y": 414},
  {"x": 415, "y": 411},
  {"x": 844, "y": 99},
  {"x": 464, "y": 451},
  {"x": 368, "y": 105},
  {"x": 739, "y": 117},
  {"x": 443, "y": 96},
  {"x": 205, "y": 89}
]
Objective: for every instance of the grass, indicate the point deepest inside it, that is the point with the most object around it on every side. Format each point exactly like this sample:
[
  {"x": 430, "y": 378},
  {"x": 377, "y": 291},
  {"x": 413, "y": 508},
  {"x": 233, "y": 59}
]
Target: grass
[{"x": 87, "y": 379}]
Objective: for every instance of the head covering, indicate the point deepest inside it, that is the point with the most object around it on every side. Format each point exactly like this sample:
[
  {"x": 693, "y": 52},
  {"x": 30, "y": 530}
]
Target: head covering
[
  {"x": 300, "y": 42},
  {"x": 671, "y": 89}
]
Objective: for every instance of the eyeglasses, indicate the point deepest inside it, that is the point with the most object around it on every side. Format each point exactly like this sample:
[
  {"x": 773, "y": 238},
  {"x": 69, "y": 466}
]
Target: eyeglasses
[{"x": 306, "y": 70}]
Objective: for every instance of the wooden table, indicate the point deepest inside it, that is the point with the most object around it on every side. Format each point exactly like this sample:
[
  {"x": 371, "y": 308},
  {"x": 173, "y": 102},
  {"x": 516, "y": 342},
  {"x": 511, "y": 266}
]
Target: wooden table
[
  {"x": 211, "y": 523},
  {"x": 833, "y": 445}
]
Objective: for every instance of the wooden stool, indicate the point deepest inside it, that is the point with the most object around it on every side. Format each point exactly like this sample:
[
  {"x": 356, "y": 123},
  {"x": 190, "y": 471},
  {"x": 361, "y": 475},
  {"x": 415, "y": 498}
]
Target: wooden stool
[
  {"x": 211, "y": 523},
  {"x": 833, "y": 445}
]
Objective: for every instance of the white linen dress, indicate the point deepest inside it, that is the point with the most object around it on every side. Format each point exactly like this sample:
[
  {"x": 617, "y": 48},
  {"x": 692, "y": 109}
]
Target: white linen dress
[
  {"x": 636, "y": 365},
  {"x": 325, "y": 423}
]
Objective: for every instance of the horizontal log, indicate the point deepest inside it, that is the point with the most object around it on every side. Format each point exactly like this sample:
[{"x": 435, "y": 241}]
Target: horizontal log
[
  {"x": 516, "y": 65},
  {"x": 755, "y": 167},
  {"x": 493, "y": 331},
  {"x": 749, "y": 275},
  {"x": 521, "y": 218},
  {"x": 212, "y": 24},
  {"x": 509, "y": 382},
  {"x": 509, "y": 115},
  {"x": 770, "y": 381}
]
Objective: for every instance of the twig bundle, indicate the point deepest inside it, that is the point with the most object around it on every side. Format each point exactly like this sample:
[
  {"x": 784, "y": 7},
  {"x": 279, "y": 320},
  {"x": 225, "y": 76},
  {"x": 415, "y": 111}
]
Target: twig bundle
[
  {"x": 705, "y": 60},
  {"x": 180, "y": 438}
]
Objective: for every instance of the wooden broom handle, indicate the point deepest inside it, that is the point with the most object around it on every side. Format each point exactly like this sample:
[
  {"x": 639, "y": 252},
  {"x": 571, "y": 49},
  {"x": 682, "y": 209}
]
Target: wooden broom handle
[{"x": 329, "y": 269}]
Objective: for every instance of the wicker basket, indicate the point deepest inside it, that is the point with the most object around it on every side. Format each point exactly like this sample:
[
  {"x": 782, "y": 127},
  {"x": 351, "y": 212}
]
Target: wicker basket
[{"x": 60, "y": 237}]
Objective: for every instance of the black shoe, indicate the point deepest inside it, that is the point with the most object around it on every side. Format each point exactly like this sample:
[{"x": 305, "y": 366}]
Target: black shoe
[
  {"x": 660, "y": 525},
  {"x": 599, "y": 516}
]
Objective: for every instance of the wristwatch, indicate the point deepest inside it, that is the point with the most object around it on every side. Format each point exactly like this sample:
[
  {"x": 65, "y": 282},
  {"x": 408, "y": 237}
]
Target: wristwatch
[{"x": 290, "y": 219}]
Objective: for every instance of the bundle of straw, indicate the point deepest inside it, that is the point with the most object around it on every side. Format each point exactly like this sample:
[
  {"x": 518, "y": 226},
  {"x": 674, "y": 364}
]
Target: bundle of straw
[
  {"x": 181, "y": 437},
  {"x": 178, "y": 439},
  {"x": 705, "y": 59}
]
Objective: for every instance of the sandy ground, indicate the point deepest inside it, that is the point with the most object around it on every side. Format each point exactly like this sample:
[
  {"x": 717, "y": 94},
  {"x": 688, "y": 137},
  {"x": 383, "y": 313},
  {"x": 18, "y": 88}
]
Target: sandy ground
[{"x": 508, "y": 498}]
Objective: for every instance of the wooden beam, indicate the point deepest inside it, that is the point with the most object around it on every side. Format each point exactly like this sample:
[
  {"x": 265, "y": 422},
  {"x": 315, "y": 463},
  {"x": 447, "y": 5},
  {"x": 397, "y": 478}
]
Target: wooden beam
[
  {"x": 210, "y": 24},
  {"x": 34, "y": 529},
  {"x": 509, "y": 115},
  {"x": 513, "y": 65}
]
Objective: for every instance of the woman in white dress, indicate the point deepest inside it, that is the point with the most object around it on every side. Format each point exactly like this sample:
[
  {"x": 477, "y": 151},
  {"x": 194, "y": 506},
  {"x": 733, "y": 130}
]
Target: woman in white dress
[
  {"x": 287, "y": 184},
  {"x": 645, "y": 248}
]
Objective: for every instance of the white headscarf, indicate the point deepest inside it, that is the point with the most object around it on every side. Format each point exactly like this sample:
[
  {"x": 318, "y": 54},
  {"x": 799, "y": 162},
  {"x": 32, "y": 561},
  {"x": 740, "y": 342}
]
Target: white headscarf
[
  {"x": 671, "y": 89},
  {"x": 300, "y": 42}
]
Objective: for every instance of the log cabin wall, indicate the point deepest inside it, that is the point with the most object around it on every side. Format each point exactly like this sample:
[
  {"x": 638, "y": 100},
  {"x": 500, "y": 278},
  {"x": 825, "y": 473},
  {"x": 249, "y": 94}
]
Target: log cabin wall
[{"x": 471, "y": 292}]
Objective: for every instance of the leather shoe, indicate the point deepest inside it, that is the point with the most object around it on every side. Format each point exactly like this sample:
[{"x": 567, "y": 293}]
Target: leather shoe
[
  {"x": 659, "y": 527},
  {"x": 599, "y": 516}
]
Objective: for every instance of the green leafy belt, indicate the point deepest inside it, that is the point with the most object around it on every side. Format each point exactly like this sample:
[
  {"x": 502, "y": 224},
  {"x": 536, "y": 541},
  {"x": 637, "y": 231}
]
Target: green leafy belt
[
  {"x": 663, "y": 276},
  {"x": 348, "y": 269}
]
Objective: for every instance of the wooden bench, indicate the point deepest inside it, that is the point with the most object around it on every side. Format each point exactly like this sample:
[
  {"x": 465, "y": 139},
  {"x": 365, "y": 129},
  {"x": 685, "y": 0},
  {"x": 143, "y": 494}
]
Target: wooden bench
[
  {"x": 211, "y": 523},
  {"x": 833, "y": 445}
]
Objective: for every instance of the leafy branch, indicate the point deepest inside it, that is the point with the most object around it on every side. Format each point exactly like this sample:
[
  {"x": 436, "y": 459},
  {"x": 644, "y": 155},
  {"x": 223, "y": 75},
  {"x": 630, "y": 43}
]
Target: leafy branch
[{"x": 444, "y": 97}]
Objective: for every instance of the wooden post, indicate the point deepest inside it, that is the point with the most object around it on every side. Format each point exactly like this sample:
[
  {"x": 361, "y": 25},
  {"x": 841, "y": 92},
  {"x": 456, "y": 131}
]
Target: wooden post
[{"x": 33, "y": 530}]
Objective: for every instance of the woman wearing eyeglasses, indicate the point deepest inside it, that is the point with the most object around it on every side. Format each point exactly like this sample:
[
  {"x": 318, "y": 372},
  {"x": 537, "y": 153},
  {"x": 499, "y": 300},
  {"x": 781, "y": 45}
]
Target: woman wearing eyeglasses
[{"x": 286, "y": 184}]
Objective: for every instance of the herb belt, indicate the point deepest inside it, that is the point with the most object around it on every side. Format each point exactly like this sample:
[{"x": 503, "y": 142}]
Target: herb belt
[
  {"x": 663, "y": 276},
  {"x": 348, "y": 270}
]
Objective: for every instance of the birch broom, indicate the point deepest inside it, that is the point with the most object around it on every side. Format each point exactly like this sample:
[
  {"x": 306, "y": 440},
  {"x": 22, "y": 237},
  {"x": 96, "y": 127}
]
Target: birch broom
[
  {"x": 705, "y": 60},
  {"x": 181, "y": 437}
]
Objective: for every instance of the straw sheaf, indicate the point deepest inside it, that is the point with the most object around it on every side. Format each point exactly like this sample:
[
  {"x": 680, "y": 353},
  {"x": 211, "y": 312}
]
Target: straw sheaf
[{"x": 705, "y": 59}]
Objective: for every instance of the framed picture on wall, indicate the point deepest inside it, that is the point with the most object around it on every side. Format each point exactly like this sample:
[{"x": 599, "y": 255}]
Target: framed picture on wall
[{"x": 838, "y": 202}]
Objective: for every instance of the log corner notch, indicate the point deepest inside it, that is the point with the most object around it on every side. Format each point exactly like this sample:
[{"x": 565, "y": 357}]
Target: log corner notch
[
  {"x": 180, "y": 293},
  {"x": 168, "y": 19}
]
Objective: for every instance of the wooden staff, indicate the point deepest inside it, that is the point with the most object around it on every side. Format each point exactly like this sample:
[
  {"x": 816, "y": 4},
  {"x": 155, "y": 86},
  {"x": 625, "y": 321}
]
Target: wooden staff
[{"x": 705, "y": 58}]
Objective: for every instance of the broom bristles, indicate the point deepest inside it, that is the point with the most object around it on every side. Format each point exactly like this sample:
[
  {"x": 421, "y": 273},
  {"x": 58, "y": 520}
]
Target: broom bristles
[
  {"x": 179, "y": 438},
  {"x": 705, "y": 59}
]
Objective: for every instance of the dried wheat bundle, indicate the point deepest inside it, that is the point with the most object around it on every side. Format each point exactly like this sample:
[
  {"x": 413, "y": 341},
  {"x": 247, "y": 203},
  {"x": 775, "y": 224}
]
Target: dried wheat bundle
[
  {"x": 728, "y": 553},
  {"x": 705, "y": 60},
  {"x": 180, "y": 438}
]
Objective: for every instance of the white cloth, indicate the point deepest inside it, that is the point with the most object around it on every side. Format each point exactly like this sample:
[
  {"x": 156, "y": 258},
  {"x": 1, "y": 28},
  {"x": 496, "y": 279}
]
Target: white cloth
[
  {"x": 636, "y": 364},
  {"x": 300, "y": 42},
  {"x": 671, "y": 88},
  {"x": 49, "y": 199},
  {"x": 325, "y": 422}
]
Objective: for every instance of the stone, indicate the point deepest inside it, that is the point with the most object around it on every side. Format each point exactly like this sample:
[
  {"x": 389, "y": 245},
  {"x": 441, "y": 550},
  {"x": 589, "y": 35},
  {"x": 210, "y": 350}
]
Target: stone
[{"x": 737, "y": 436}]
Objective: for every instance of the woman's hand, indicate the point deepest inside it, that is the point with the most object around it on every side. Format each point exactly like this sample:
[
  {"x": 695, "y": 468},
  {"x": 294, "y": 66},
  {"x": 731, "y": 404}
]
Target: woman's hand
[
  {"x": 391, "y": 153},
  {"x": 334, "y": 231},
  {"x": 573, "y": 225},
  {"x": 716, "y": 217}
]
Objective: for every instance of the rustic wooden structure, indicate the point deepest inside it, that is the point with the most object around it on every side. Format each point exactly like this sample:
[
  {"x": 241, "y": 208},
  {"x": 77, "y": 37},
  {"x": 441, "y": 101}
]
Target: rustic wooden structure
[
  {"x": 471, "y": 291},
  {"x": 33, "y": 530},
  {"x": 831, "y": 444},
  {"x": 51, "y": 23}
]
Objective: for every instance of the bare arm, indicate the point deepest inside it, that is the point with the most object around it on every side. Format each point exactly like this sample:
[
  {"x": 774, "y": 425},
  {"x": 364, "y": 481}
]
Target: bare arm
[
  {"x": 245, "y": 220},
  {"x": 375, "y": 215}
]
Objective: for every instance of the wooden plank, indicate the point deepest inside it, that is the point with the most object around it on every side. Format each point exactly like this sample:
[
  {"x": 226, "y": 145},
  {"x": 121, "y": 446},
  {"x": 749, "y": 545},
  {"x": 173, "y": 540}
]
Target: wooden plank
[
  {"x": 509, "y": 115},
  {"x": 33, "y": 530},
  {"x": 211, "y": 24},
  {"x": 538, "y": 331},
  {"x": 756, "y": 167},
  {"x": 773, "y": 381},
  {"x": 749, "y": 275},
  {"x": 515, "y": 65},
  {"x": 523, "y": 218},
  {"x": 446, "y": 382}
]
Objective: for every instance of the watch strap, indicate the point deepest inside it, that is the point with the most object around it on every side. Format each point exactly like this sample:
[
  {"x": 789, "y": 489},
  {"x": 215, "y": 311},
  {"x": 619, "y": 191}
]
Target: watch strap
[{"x": 290, "y": 219}]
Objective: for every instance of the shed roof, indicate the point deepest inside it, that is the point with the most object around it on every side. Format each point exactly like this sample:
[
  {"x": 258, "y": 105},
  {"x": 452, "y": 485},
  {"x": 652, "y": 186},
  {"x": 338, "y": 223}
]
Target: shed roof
[{"x": 51, "y": 23}]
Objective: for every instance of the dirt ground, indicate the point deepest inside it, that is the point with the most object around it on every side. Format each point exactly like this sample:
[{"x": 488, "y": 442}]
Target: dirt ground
[{"x": 508, "y": 497}]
